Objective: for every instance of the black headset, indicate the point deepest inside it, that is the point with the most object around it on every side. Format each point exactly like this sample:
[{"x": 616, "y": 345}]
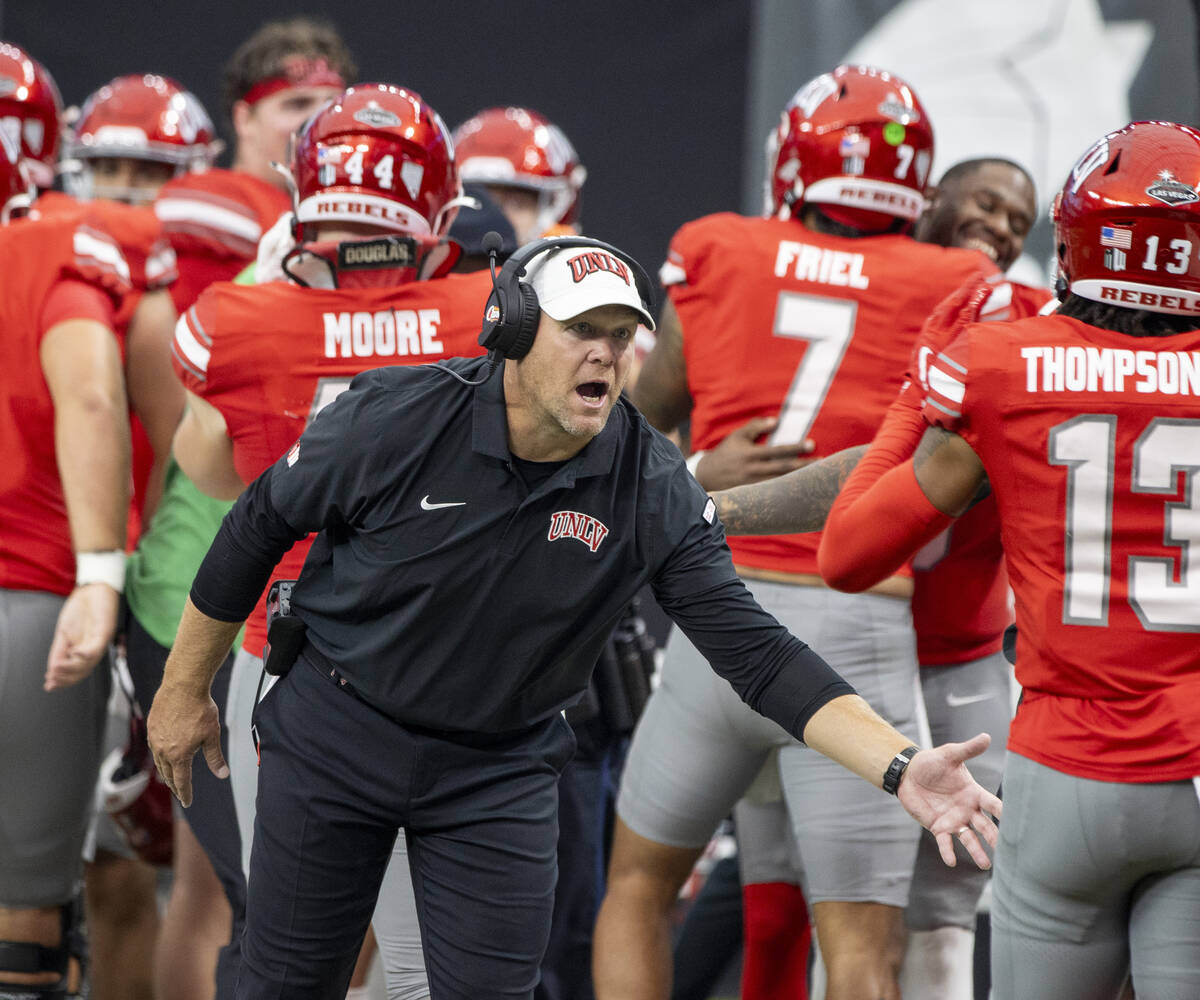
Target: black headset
[{"x": 510, "y": 319}]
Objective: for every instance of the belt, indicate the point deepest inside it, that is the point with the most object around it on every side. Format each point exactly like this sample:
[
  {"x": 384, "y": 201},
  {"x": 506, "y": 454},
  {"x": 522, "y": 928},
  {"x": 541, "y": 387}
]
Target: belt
[{"x": 326, "y": 668}]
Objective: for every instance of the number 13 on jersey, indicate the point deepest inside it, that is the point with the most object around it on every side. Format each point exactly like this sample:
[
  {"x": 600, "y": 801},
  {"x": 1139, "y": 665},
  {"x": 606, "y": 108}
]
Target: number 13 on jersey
[{"x": 1086, "y": 446}]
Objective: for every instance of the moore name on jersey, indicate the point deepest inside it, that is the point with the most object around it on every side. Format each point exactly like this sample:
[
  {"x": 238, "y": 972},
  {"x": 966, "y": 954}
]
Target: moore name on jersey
[{"x": 385, "y": 333}]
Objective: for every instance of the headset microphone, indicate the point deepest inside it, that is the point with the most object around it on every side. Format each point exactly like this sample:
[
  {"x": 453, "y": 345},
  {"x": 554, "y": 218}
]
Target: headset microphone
[{"x": 491, "y": 244}]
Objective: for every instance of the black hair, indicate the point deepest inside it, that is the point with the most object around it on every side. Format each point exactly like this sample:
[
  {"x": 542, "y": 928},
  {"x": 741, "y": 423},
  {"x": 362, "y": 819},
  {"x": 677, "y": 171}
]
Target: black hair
[
  {"x": 965, "y": 168},
  {"x": 1121, "y": 319},
  {"x": 812, "y": 217}
]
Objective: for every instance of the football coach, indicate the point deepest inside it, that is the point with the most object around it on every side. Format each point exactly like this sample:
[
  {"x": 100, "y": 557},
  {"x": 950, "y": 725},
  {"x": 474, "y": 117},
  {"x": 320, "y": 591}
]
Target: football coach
[{"x": 482, "y": 525}]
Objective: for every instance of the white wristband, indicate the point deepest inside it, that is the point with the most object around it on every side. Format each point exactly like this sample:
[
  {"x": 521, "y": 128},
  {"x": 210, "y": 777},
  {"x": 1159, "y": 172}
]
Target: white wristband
[
  {"x": 101, "y": 567},
  {"x": 693, "y": 462}
]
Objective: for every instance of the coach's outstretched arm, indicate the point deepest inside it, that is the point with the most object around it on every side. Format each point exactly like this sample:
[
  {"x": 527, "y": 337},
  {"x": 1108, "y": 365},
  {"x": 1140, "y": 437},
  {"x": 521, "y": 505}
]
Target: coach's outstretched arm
[{"x": 935, "y": 786}]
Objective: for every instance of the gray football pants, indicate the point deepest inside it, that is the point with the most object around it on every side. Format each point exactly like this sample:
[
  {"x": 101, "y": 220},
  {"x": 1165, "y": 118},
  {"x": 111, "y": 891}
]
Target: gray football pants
[{"x": 1092, "y": 878}]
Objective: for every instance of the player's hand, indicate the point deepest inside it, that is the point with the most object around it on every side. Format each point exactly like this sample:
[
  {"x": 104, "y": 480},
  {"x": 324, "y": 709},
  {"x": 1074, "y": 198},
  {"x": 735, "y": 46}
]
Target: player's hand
[
  {"x": 739, "y": 459},
  {"x": 180, "y": 723},
  {"x": 86, "y": 625},
  {"x": 275, "y": 244},
  {"x": 950, "y": 317},
  {"x": 938, "y": 790}
]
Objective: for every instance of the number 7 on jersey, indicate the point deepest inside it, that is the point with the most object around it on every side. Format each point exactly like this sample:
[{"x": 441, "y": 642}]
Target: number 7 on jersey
[{"x": 828, "y": 325}]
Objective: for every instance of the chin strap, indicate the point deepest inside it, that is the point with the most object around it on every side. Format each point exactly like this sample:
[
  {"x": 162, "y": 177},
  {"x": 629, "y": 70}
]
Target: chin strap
[{"x": 370, "y": 262}]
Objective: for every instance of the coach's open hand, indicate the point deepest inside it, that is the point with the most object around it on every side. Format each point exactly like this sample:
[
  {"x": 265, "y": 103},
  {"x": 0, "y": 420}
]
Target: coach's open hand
[
  {"x": 182, "y": 721},
  {"x": 938, "y": 790}
]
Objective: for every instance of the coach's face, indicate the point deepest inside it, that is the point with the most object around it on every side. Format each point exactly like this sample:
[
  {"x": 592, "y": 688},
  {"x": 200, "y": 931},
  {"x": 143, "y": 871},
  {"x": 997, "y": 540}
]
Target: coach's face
[{"x": 560, "y": 394}]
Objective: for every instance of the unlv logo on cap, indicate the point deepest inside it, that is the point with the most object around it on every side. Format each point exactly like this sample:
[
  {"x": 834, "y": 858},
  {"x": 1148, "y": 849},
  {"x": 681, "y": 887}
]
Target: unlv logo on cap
[{"x": 592, "y": 261}]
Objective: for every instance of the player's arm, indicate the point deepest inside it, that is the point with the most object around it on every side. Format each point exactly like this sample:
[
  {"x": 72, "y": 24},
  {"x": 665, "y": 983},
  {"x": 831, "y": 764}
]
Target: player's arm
[
  {"x": 661, "y": 391},
  {"x": 81, "y": 362},
  {"x": 802, "y": 500},
  {"x": 204, "y": 450},
  {"x": 871, "y": 535},
  {"x": 797, "y": 502},
  {"x": 155, "y": 393},
  {"x": 948, "y": 471}
]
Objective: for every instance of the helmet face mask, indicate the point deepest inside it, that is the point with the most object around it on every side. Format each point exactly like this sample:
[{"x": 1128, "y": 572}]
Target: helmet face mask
[
  {"x": 30, "y": 111},
  {"x": 1127, "y": 221},
  {"x": 519, "y": 148},
  {"x": 17, "y": 190},
  {"x": 132, "y": 120},
  {"x": 855, "y": 142},
  {"x": 377, "y": 155}
]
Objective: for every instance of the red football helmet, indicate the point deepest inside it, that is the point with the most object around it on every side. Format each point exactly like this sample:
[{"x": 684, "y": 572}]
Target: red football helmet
[
  {"x": 145, "y": 117},
  {"x": 858, "y": 143},
  {"x": 376, "y": 154},
  {"x": 1127, "y": 222},
  {"x": 516, "y": 147},
  {"x": 30, "y": 111}
]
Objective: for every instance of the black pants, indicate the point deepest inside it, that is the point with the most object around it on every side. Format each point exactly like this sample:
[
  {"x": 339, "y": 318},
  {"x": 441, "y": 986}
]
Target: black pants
[
  {"x": 587, "y": 800},
  {"x": 211, "y": 815},
  {"x": 337, "y": 779}
]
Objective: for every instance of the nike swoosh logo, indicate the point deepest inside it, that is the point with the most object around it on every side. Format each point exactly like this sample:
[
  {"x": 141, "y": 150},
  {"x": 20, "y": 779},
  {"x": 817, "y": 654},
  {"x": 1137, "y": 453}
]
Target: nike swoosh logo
[
  {"x": 426, "y": 505},
  {"x": 955, "y": 701}
]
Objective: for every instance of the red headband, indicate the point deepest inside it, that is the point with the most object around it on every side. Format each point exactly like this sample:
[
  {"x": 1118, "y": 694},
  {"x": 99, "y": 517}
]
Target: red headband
[{"x": 298, "y": 71}]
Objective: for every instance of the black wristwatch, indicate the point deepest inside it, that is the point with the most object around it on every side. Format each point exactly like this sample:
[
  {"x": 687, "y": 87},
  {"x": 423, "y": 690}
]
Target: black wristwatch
[{"x": 895, "y": 771}]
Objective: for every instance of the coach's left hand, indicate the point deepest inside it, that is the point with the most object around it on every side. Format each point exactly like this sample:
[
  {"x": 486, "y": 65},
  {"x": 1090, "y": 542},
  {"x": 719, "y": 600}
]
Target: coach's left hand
[
  {"x": 182, "y": 721},
  {"x": 939, "y": 792}
]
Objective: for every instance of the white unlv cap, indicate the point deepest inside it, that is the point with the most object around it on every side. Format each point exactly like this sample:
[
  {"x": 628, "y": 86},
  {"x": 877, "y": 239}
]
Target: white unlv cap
[{"x": 571, "y": 280}]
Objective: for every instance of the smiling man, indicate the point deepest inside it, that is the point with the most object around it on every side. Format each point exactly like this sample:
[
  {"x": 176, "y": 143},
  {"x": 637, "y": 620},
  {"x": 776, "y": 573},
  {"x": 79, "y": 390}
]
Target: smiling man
[
  {"x": 483, "y": 524},
  {"x": 986, "y": 204}
]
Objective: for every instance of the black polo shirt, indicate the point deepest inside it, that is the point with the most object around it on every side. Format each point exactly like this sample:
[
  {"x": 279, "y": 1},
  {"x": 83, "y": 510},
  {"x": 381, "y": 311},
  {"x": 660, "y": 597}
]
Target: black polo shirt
[{"x": 453, "y": 597}]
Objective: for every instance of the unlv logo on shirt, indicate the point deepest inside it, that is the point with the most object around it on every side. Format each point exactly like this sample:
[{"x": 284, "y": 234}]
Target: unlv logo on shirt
[{"x": 570, "y": 524}]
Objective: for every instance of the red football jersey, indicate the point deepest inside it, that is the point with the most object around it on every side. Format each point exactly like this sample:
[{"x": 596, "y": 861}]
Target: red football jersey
[
  {"x": 960, "y": 600},
  {"x": 269, "y": 357},
  {"x": 151, "y": 267},
  {"x": 214, "y": 220},
  {"x": 137, "y": 231},
  {"x": 1091, "y": 441},
  {"x": 816, "y": 330},
  {"x": 35, "y": 540}
]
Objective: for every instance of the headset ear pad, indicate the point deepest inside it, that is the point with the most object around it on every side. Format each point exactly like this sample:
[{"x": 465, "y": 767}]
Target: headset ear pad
[
  {"x": 512, "y": 314},
  {"x": 510, "y": 319},
  {"x": 524, "y": 322}
]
